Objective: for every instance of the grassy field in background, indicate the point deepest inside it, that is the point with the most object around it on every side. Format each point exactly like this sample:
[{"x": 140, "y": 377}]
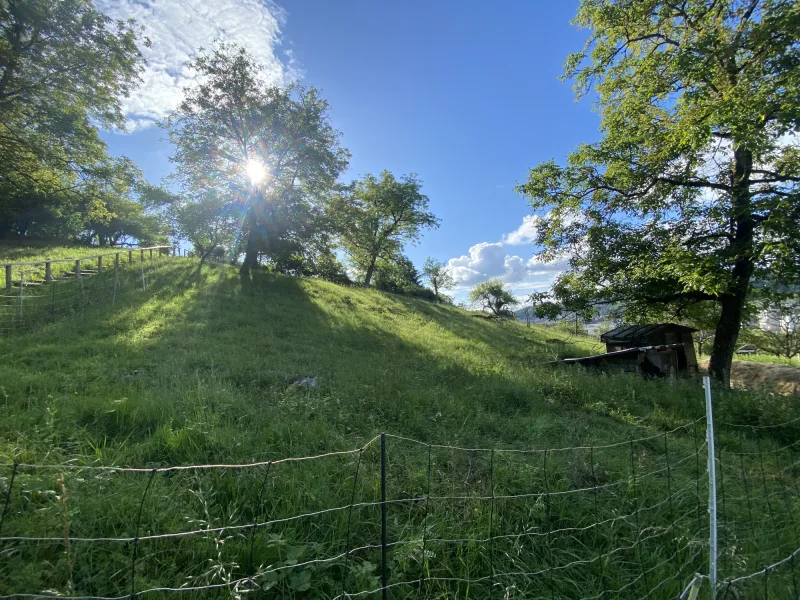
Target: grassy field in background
[
  {"x": 198, "y": 368},
  {"x": 763, "y": 357}
]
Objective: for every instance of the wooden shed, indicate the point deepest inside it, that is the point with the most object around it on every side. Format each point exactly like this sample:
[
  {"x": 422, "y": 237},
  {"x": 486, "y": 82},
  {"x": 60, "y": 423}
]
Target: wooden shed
[
  {"x": 678, "y": 337},
  {"x": 662, "y": 349}
]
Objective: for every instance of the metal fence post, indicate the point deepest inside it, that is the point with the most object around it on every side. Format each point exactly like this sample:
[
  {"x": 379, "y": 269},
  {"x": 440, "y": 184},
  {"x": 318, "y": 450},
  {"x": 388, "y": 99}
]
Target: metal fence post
[
  {"x": 712, "y": 491},
  {"x": 384, "y": 573}
]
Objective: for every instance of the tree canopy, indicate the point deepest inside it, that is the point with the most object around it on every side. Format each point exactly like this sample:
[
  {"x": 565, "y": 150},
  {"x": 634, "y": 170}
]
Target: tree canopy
[
  {"x": 234, "y": 125},
  {"x": 439, "y": 276},
  {"x": 65, "y": 68},
  {"x": 377, "y": 216},
  {"x": 493, "y": 296},
  {"x": 691, "y": 193}
]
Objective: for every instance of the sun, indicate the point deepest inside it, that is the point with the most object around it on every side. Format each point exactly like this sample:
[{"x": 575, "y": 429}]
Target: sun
[{"x": 256, "y": 171}]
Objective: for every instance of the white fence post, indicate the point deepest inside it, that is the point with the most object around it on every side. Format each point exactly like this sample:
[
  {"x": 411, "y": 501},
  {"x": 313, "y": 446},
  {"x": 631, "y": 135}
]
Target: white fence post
[{"x": 712, "y": 491}]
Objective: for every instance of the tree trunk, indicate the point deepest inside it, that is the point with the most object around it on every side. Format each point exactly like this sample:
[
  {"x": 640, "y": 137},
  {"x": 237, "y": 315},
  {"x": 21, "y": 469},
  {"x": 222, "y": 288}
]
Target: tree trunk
[
  {"x": 732, "y": 303},
  {"x": 728, "y": 327},
  {"x": 251, "y": 253},
  {"x": 370, "y": 271}
]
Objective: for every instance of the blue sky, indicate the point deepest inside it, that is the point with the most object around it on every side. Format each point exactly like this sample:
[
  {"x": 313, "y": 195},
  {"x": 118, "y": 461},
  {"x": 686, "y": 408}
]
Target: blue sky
[{"x": 466, "y": 94}]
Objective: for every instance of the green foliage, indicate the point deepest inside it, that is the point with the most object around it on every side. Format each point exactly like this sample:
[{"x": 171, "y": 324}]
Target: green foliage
[
  {"x": 377, "y": 216},
  {"x": 65, "y": 68},
  {"x": 494, "y": 296},
  {"x": 232, "y": 122},
  {"x": 779, "y": 331},
  {"x": 208, "y": 223},
  {"x": 438, "y": 275},
  {"x": 396, "y": 275},
  {"x": 128, "y": 209},
  {"x": 691, "y": 193}
]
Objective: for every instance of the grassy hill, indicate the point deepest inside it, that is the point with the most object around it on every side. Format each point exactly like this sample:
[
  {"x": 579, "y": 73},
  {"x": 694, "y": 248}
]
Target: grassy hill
[{"x": 198, "y": 369}]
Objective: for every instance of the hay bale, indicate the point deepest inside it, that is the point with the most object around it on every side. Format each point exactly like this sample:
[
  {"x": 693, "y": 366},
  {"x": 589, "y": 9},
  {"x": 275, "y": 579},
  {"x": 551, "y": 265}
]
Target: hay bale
[{"x": 750, "y": 375}]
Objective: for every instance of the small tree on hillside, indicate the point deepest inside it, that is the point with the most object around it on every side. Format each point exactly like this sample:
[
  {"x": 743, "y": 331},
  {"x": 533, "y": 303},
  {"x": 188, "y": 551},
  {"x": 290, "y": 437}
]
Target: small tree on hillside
[
  {"x": 208, "y": 222},
  {"x": 438, "y": 276},
  {"x": 376, "y": 216},
  {"x": 492, "y": 295}
]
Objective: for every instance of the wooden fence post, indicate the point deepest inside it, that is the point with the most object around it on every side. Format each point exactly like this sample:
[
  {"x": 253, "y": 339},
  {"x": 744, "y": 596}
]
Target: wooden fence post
[
  {"x": 21, "y": 287},
  {"x": 130, "y": 257},
  {"x": 48, "y": 272},
  {"x": 141, "y": 255},
  {"x": 78, "y": 268},
  {"x": 151, "y": 254},
  {"x": 8, "y": 277},
  {"x": 116, "y": 261},
  {"x": 99, "y": 264}
]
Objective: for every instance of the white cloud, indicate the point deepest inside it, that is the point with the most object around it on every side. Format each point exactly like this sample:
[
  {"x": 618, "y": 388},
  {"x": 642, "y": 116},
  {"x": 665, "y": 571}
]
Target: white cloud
[
  {"x": 178, "y": 28},
  {"x": 489, "y": 260},
  {"x": 525, "y": 233}
]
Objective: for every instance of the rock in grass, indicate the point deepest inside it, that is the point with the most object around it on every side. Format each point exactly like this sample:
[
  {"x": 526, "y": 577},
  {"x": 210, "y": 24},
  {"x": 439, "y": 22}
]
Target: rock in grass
[{"x": 303, "y": 381}]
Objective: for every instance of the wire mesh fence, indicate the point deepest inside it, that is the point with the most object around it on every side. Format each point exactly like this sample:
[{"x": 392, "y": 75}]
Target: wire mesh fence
[
  {"x": 401, "y": 518},
  {"x": 42, "y": 291}
]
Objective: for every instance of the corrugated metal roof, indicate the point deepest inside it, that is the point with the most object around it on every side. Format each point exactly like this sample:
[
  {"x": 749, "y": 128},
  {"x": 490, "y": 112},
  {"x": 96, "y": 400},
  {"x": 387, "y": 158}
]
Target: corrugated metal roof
[{"x": 632, "y": 333}]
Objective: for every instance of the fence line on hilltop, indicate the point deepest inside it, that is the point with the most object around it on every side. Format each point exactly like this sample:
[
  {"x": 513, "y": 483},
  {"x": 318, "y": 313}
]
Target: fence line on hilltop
[
  {"x": 403, "y": 517},
  {"x": 41, "y": 291}
]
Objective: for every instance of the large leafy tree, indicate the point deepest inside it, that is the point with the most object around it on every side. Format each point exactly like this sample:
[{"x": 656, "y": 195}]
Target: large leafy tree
[
  {"x": 691, "y": 193},
  {"x": 378, "y": 215},
  {"x": 64, "y": 66},
  {"x": 270, "y": 151}
]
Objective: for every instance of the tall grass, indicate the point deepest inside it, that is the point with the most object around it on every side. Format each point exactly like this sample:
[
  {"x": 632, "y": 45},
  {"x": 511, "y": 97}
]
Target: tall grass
[{"x": 198, "y": 369}]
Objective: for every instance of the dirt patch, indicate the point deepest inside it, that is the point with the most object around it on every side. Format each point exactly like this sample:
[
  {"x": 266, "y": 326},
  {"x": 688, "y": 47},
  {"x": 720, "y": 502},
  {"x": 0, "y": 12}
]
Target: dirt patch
[{"x": 751, "y": 375}]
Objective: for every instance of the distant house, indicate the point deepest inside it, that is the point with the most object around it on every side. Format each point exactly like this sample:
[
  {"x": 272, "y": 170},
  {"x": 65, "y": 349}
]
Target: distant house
[{"x": 660, "y": 350}]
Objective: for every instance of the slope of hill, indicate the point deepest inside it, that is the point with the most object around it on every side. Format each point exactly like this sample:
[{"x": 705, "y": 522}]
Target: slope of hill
[{"x": 210, "y": 368}]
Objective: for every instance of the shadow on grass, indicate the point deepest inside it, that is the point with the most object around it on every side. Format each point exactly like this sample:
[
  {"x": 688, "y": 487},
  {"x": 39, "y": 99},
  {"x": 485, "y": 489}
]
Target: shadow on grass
[{"x": 200, "y": 370}]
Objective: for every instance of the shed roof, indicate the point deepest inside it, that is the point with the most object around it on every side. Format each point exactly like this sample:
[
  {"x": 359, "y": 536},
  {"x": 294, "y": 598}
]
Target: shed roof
[{"x": 640, "y": 333}]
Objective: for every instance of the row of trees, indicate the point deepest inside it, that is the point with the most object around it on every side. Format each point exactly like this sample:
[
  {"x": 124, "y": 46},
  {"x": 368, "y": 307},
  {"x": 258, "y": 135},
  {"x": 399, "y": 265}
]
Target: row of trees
[{"x": 257, "y": 166}]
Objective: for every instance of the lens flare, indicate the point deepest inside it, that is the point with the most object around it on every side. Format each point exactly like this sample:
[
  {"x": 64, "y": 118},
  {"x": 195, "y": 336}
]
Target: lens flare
[{"x": 256, "y": 171}]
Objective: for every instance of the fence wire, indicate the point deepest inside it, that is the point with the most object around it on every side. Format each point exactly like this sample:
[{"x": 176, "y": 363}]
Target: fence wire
[
  {"x": 404, "y": 518},
  {"x": 74, "y": 287},
  {"x": 625, "y": 520}
]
